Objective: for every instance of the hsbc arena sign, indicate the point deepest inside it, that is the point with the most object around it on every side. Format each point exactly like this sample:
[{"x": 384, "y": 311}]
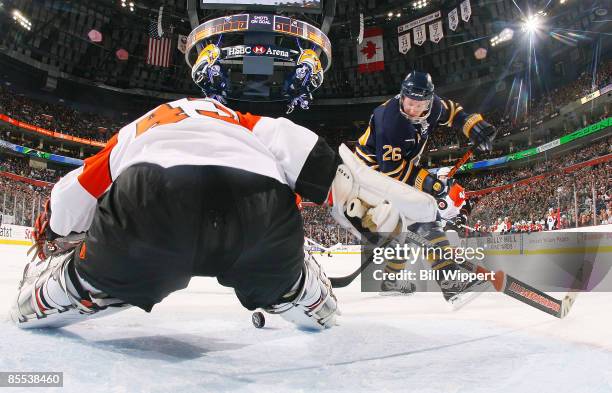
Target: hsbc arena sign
[{"x": 237, "y": 51}]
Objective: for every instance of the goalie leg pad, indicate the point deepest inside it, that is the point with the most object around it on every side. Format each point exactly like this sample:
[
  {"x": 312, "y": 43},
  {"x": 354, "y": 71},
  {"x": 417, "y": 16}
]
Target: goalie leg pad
[{"x": 51, "y": 294}]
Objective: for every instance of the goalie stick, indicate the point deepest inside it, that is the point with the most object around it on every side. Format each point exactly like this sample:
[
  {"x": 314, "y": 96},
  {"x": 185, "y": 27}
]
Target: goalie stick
[{"x": 345, "y": 281}]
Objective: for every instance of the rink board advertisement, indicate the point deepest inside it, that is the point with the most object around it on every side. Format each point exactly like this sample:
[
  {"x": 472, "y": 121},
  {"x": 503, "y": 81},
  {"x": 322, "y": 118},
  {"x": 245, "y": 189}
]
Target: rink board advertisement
[
  {"x": 15, "y": 235},
  {"x": 550, "y": 261},
  {"x": 593, "y": 128}
]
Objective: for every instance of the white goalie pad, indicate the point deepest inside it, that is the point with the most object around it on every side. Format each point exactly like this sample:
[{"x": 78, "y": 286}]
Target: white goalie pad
[{"x": 354, "y": 179}]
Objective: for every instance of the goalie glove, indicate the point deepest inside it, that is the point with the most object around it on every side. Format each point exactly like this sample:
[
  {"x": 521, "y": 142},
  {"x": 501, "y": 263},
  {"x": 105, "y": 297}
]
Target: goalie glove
[
  {"x": 42, "y": 234},
  {"x": 48, "y": 243},
  {"x": 311, "y": 303}
]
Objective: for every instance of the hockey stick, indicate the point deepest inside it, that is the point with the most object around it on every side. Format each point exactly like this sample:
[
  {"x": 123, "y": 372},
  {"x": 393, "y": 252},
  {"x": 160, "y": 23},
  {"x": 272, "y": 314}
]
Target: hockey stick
[
  {"x": 513, "y": 287},
  {"x": 460, "y": 163},
  {"x": 345, "y": 281}
]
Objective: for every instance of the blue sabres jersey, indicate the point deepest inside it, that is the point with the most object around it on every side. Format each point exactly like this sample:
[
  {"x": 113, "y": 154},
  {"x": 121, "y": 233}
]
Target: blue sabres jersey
[{"x": 392, "y": 144}]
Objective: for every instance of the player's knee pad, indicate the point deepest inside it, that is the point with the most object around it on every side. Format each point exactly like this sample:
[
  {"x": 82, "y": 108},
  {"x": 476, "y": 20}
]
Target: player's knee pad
[{"x": 51, "y": 294}]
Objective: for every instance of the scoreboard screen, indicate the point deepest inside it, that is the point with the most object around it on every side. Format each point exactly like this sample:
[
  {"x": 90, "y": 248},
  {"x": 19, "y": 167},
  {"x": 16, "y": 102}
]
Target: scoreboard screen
[{"x": 262, "y": 5}]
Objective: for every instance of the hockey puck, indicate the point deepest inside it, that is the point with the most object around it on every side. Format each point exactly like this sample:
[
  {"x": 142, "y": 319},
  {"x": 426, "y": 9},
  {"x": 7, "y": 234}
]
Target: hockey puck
[{"x": 258, "y": 319}]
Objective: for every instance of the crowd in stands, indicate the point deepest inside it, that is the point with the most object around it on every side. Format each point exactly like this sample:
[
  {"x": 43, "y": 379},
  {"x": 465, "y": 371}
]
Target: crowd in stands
[
  {"x": 533, "y": 202},
  {"x": 323, "y": 229},
  {"x": 540, "y": 108},
  {"x": 517, "y": 209},
  {"x": 499, "y": 177},
  {"x": 20, "y": 202},
  {"x": 56, "y": 117},
  {"x": 31, "y": 141},
  {"x": 20, "y": 166}
]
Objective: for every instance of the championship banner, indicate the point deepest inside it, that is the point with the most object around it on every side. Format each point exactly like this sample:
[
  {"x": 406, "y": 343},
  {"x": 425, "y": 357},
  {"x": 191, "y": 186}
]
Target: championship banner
[
  {"x": 421, "y": 21},
  {"x": 361, "y": 27},
  {"x": 435, "y": 31},
  {"x": 419, "y": 35},
  {"x": 404, "y": 43},
  {"x": 453, "y": 19},
  {"x": 466, "y": 10},
  {"x": 370, "y": 56}
]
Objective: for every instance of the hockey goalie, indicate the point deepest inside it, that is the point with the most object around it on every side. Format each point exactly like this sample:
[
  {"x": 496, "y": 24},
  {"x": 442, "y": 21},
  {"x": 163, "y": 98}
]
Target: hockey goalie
[{"x": 194, "y": 188}]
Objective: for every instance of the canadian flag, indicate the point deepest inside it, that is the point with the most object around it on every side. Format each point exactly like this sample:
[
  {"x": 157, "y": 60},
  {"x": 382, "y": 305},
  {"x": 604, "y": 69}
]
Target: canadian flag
[{"x": 370, "y": 52}]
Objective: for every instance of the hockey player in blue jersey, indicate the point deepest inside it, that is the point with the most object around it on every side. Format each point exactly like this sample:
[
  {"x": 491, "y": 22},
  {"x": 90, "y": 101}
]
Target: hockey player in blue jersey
[{"x": 396, "y": 138}]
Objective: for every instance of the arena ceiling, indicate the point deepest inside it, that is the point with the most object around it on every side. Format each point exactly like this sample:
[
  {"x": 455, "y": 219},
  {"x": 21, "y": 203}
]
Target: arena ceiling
[{"x": 58, "y": 46}]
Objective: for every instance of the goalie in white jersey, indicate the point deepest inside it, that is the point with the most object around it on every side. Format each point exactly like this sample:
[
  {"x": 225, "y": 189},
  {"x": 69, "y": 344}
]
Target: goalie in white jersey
[{"x": 194, "y": 188}]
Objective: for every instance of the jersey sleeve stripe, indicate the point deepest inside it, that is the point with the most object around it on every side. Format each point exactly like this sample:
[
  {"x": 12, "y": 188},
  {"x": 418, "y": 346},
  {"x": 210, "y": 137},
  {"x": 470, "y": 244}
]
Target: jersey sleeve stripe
[
  {"x": 397, "y": 170},
  {"x": 364, "y": 157},
  {"x": 96, "y": 175},
  {"x": 364, "y": 138}
]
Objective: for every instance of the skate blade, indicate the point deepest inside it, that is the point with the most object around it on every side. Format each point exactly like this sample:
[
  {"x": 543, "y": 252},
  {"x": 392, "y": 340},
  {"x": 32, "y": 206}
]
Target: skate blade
[
  {"x": 462, "y": 300},
  {"x": 395, "y": 293}
]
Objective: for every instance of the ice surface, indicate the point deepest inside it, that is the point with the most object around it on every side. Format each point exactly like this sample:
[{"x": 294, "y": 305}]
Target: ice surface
[{"x": 201, "y": 340}]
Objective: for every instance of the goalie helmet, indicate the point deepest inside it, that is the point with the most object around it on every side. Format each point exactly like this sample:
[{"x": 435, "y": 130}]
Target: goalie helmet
[{"x": 417, "y": 86}]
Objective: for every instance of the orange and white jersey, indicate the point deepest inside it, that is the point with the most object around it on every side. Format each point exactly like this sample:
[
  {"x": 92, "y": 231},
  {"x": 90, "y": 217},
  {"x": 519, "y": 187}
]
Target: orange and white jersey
[{"x": 184, "y": 132}]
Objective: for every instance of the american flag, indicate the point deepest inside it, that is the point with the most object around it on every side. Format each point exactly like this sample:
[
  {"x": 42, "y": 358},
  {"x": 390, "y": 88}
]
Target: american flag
[{"x": 159, "y": 52}]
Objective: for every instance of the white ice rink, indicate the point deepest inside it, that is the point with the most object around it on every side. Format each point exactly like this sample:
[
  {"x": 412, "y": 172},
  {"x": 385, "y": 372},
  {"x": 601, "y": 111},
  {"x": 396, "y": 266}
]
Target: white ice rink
[{"x": 201, "y": 340}]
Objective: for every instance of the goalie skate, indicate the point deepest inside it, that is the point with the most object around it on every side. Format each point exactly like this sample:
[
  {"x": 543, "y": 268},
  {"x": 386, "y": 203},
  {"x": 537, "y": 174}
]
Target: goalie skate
[{"x": 50, "y": 296}]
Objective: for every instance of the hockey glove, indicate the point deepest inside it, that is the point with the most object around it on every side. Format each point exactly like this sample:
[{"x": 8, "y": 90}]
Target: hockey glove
[
  {"x": 42, "y": 234},
  {"x": 480, "y": 133},
  {"x": 47, "y": 242}
]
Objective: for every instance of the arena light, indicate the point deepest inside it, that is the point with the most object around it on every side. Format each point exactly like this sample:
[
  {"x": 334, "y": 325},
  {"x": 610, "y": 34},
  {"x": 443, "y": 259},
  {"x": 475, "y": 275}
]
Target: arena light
[
  {"x": 124, "y": 4},
  {"x": 419, "y": 4},
  {"x": 534, "y": 22},
  {"x": 22, "y": 20},
  {"x": 505, "y": 35}
]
